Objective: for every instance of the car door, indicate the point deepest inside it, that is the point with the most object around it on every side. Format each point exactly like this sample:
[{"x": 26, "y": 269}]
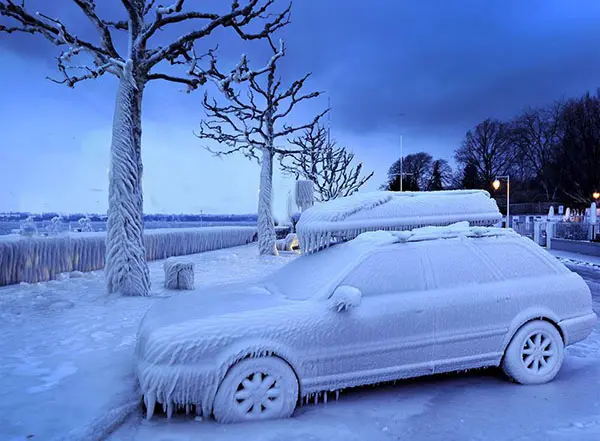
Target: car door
[
  {"x": 390, "y": 334},
  {"x": 473, "y": 307}
]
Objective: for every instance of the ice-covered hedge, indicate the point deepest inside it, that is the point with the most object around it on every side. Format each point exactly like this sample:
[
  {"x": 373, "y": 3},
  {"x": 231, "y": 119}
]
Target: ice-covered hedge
[{"x": 38, "y": 258}]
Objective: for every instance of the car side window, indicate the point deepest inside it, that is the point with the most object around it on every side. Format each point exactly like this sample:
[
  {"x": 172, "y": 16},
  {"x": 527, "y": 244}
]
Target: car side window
[
  {"x": 391, "y": 271},
  {"x": 515, "y": 261},
  {"x": 456, "y": 264}
]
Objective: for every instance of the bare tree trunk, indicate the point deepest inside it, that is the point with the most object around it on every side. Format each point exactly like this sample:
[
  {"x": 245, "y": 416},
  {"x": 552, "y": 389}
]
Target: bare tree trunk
[
  {"x": 126, "y": 269},
  {"x": 266, "y": 229}
]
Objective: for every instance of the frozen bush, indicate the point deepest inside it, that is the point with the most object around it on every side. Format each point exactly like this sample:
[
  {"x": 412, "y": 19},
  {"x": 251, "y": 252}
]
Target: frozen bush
[
  {"x": 28, "y": 227},
  {"x": 56, "y": 226},
  {"x": 85, "y": 225},
  {"x": 290, "y": 243}
]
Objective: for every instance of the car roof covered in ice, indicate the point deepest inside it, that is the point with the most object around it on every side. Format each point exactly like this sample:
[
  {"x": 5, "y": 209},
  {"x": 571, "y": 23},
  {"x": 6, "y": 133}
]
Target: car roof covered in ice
[
  {"x": 345, "y": 218},
  {"x": 326, "y": 266}
]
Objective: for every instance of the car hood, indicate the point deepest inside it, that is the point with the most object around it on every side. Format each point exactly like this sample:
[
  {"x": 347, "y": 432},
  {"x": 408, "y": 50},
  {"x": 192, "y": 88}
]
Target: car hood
[{"x": 209, "y": 303}]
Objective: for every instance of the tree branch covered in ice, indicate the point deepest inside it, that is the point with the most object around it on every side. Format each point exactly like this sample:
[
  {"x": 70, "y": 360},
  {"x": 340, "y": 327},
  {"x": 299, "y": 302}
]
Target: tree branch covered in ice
[
  {"x": 146, "y": 58},
  {"x": 327, "y": 165},
  {"x": 251, "y": 121}
]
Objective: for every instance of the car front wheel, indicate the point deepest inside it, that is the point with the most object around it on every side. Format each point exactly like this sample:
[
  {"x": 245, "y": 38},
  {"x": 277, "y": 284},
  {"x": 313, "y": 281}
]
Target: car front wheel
[
  {"x": 535, "y": 353},
  {"x": 256, "y": 389}
]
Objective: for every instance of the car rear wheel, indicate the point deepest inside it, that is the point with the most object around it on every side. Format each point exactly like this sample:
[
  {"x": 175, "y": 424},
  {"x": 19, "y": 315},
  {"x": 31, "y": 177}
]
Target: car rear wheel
[
  {"x": 256, "y": 389},
  {"x": 535, "y": 353}
]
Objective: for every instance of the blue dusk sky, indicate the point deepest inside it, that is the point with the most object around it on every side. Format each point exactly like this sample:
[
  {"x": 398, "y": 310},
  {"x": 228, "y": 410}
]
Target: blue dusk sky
[{"x": 428, "y": 70}]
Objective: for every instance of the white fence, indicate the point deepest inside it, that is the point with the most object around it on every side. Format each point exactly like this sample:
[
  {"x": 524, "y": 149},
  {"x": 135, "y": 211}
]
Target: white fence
[{"x": 38, "y": 259}]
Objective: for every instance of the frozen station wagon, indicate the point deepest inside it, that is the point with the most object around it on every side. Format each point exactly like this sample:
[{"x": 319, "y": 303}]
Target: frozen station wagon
[{"x": 381, "y": 307}]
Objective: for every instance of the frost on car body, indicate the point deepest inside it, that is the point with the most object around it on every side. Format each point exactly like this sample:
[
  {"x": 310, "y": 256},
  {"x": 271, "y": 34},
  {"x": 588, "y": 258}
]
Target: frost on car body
[
  {"x": 384, "y": 306},
  {"x": 345, "y": 218}
]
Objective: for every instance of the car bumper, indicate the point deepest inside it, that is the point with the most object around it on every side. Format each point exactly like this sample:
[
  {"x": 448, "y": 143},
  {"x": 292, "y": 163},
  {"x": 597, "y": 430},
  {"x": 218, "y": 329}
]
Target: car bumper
[
  {"x": 176, "y": 385},
  {"x": 578, "y": 328}
]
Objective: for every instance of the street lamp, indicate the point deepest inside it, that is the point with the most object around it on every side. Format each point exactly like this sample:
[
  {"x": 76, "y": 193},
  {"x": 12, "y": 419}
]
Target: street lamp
[
  {"x": 496, "y": 185},
  {"x": 596, "y": 195}
]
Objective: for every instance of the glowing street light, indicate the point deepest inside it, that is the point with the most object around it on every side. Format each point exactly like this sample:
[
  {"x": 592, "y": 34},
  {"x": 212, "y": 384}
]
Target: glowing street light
[
  {"x": 596, "y": 195},
  {"x": 496, "y": 185}
]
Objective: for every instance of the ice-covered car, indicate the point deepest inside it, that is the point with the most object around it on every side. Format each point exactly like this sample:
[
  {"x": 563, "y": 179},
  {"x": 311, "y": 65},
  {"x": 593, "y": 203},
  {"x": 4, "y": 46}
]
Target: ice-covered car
[{"x": 381, "y": 307}]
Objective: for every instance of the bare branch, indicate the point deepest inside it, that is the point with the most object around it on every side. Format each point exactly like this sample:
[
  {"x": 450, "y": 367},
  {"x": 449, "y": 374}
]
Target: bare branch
[
  {"x": 88, "y": 7},
  {"x": 71, "y": 80},
  {"x": 105, "y": 57},
  {"x": 192, "y": 83},
  {"x": 248, "y": 122},
  {"x": 326, "y": 165},
  {"x": 238, "y": 18}
]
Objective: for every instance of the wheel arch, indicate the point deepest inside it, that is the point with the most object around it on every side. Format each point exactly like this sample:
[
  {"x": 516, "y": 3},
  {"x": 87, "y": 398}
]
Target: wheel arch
[{"x": 529, "y": 316}]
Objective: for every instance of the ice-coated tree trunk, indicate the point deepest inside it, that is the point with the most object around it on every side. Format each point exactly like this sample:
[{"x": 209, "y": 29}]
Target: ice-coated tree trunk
[
  {"x": 126, "y": 269},
  {"x": 266, "y": 229}
]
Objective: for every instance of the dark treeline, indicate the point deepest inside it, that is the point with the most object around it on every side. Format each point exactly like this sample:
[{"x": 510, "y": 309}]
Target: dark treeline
[{"x": 551, "y": 153}]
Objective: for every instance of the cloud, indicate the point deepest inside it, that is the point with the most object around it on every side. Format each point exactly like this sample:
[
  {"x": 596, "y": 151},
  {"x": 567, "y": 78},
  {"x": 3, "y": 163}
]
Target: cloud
[{"x": 427, "y": 70}]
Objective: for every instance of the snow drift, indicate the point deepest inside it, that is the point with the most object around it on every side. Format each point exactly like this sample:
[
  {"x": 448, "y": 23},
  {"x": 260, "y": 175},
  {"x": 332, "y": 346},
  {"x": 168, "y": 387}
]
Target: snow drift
[
  {"x": 36, "y": 259},
  {"x": 345, "y": 218}
]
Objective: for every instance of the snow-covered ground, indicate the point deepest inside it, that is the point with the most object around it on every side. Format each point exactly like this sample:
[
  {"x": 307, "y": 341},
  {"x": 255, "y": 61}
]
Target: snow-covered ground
[
  {"x": 66, "y": 373},
  {"x": 66, "y": 348}
]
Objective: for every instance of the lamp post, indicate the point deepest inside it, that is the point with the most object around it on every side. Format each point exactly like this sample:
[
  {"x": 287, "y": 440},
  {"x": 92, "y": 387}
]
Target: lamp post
[
  {"x": 593, "y": 213},
  {"x": 496, "y": 185}
]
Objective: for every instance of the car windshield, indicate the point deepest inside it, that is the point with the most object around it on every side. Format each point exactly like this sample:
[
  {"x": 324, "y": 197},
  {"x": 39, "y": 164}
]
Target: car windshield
[{"x": 310, "y": 274}]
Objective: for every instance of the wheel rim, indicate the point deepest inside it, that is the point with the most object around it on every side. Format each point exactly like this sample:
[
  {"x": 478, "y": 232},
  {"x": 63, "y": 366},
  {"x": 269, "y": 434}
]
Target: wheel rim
[
  {"x": 258, "y": 394},
  {"x": 539, "y": 353}
]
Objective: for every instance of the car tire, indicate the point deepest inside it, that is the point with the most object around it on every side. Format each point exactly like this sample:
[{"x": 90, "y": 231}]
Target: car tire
[
  {"x": 535, "y": 353},
  {"x": 256, "y": 389}
]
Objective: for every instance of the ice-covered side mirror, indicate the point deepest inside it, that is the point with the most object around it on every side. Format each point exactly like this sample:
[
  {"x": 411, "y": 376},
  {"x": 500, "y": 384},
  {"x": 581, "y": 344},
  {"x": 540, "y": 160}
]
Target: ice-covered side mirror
[{"x": 344, "y": 298}]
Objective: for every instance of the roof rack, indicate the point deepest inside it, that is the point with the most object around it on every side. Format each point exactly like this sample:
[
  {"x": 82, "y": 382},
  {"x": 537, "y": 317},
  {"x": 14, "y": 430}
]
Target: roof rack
[{"x": 457, "y": 230}]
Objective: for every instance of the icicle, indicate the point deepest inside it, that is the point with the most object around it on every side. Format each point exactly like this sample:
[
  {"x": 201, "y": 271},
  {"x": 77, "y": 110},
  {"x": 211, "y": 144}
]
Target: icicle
[
  {"x": 187, "y": 409},
  {"x": 164, "y": 405},
  {"x": 317, "y": 398},
  {"x": 150, "y": 402},
  {"x": 325, "y": 397},
  {"x": 170, "y": 406},
  {"x": 337, "y": 395}
]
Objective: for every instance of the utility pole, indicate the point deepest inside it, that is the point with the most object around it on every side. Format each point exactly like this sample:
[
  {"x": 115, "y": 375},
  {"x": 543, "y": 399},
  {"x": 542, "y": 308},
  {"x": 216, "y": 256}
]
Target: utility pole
[
  {"x": 329, "y": 121},
  {"x": 401, "y": 162}
]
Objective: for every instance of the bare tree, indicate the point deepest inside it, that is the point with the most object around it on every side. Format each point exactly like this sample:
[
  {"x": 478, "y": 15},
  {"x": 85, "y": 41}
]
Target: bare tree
[
  {"x": 415, "y": 170},
  {"x": 324, "y": 163},
  {"x": 579, "y": 150},
  {"x": 441, "y": 175},
  {"x": 251, "y": 122},
  {"x": 488, "y": 149},
  {"x": 536, "y": 134},
  {"x": 126, "y": 269}
]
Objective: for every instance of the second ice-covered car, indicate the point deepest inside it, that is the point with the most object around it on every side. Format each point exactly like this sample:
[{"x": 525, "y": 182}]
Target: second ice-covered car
[{"x": 381, "y": 307}]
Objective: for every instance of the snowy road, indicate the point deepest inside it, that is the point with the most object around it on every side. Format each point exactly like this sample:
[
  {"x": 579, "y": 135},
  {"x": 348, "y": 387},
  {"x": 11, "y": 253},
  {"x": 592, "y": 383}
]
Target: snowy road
[
  {"x": 478, "y": 405},
  {"x": 66, "y": 361}
]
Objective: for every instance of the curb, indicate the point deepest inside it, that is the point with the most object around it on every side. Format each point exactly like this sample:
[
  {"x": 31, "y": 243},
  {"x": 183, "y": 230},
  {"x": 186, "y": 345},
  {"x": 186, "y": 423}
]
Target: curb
[{"x": 102, "y": 427}]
